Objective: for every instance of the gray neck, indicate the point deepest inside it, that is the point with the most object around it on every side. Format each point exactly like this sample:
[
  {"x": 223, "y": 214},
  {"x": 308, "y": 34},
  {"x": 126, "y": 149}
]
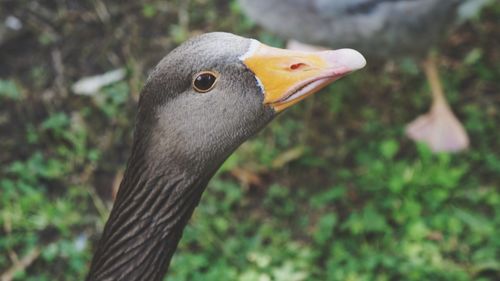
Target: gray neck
[{"x": 153, "y": 205}]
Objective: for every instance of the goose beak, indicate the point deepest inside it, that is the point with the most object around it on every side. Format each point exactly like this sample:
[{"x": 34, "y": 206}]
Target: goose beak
[{"x": 287, "y": 77}]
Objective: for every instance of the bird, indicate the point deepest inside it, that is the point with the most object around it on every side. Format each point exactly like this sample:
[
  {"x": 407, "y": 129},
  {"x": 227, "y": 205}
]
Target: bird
[
  {"x": 202, "y": 100},
  {"x": 381, "y": 30}
]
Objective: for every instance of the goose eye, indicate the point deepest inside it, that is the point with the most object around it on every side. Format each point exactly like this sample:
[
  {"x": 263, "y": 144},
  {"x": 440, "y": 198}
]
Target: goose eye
[{"x": 204, "y": 81}]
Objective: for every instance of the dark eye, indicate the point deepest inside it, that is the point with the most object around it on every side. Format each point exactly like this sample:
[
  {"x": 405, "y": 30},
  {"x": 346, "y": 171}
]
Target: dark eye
[{"x": 204, "y": 81}]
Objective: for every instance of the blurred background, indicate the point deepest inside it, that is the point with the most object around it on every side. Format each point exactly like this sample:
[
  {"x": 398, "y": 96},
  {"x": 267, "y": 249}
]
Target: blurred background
[{"x": 331, "y": 190}]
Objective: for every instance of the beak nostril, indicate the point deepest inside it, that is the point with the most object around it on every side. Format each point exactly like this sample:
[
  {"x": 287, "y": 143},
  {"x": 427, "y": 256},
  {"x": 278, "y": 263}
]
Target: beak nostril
[{"x": 296, "y": 66}]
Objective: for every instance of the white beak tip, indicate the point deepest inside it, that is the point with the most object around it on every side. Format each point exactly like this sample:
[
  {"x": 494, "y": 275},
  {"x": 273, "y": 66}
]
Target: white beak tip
[{"x": 350, "y": 58}]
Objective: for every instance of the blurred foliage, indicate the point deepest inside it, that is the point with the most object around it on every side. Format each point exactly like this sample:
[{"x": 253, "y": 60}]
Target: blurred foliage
[{"x": 331, "y": 190}]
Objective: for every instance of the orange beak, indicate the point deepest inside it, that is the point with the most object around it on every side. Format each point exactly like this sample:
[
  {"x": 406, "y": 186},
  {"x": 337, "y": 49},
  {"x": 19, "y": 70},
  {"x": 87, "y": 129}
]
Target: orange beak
[{"x": 287, "y": 77}]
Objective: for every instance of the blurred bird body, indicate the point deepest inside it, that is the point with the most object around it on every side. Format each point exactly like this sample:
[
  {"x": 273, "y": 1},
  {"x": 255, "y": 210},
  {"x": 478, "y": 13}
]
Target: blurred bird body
[{"x": 379, "y": 28}]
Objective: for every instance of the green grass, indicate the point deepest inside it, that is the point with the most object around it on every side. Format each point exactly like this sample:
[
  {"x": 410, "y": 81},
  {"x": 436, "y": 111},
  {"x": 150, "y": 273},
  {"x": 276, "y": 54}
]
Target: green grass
[{"x": 331, "y": 190}]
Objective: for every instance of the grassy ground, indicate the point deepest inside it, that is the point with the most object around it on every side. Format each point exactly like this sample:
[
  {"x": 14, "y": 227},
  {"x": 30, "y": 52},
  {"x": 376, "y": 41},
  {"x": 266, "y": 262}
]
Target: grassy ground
[{"x": 332, "y": 190}]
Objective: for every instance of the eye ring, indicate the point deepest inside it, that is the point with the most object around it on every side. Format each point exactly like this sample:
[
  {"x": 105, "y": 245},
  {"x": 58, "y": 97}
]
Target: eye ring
[{"x": 204, "y": 81}]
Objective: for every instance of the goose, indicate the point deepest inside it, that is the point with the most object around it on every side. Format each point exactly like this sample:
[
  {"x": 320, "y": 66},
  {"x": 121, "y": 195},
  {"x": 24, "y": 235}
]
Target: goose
[
  {"x": 200, "y": 102},
  {"x": 380, "y": 29}
]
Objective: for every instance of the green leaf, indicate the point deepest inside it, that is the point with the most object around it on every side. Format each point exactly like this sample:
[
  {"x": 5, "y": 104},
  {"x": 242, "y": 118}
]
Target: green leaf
[{"x": 9, "y": 90}]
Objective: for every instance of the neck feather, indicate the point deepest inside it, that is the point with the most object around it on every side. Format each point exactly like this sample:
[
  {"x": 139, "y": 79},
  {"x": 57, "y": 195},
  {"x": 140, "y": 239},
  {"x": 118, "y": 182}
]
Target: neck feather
[{"x": 153, "y": 205}]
